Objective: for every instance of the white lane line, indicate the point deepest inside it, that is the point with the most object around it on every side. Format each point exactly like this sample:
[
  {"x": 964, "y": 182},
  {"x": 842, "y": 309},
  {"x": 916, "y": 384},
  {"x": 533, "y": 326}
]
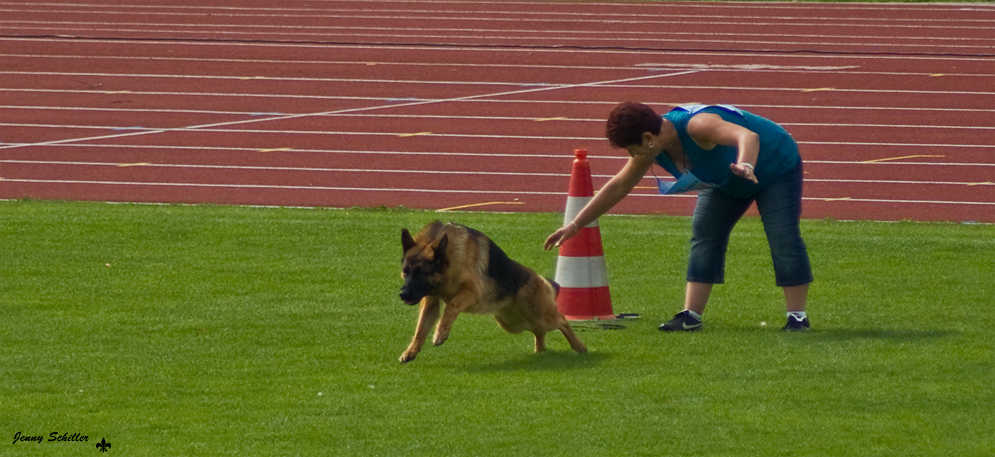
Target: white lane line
[
  {"x": 429, "y": 191},
  {"x": 354, "y": 110},
  {"x": 488, "y": 154},
  {"x": 212, "y": 31},
  {"x": 551, "y": 86},
  {"x": 554, "y": 16},
  {"x": 502, "y": 154},
  {"x": 447, "y": 117},
  {"x": 435, "y": 172},
  {"x": 753, "y": 68},
  {"x": 136, "y": 131},
  {"x": 862, "y": 8},
  {"x": 590, "y": 35},
  {"x": 933, "y": 59},
  {"x": 293, "y": 169},
  {"x": 506, "y": 101}
]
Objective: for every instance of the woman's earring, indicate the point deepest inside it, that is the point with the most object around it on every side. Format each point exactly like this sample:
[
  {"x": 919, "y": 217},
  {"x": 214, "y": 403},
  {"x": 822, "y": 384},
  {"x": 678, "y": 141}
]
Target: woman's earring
[{"x": 650, "y": 145}]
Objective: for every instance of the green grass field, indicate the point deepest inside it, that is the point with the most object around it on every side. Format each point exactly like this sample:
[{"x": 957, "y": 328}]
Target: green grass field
[{"x": 207, "y": 330}]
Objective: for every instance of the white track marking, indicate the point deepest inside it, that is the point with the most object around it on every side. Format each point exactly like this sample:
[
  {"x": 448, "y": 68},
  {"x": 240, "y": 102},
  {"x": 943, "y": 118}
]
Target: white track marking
[
  {"x": 507, "y": 101},
  {"x": 454, "y": 153},
  {"x": 436, "y": 117},
  {"x": 438, "y": 172},
  {"x": 354, "y": 110},
  {"x": 603, "y": 41},
  {"x": 642, "y": 67},
  {"x": 620, "y": 83},
  {"x": 209, "y": 128},
  {"x": 553, "y": 16},
  {"x": 432, "y": 191},
  {"x": 933, "y": 59},
  {"x": 469, "y": 32},
  {"x": 447, "y": 3}
]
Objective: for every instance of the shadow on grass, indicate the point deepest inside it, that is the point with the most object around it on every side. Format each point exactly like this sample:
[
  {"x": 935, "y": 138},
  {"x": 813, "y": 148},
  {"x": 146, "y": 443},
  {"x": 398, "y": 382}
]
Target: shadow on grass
[
  {"x": 841, "y": 334},
  {"x": 896, "y": 335},
  {"x": 547, "y": 361}
]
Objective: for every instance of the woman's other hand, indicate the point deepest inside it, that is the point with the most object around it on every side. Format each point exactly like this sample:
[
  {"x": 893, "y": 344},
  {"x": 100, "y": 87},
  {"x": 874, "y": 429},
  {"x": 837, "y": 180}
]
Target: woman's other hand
[
  {"x": 743, "y": 170},
  {"x": 558, "y": 237}
]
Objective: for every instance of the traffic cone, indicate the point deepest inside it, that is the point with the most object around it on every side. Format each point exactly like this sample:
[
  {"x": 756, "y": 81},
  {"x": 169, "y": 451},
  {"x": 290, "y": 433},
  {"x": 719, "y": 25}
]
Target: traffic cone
[{"x": 580, "y": 268}]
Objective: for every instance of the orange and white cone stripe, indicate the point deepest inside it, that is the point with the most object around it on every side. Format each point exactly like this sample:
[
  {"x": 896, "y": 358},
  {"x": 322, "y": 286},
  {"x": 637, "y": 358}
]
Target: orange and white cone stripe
[{"x": 580, "y": 269}]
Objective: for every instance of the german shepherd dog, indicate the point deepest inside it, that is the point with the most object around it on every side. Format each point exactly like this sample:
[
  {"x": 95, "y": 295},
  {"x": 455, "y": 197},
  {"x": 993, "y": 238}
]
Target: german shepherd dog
[{"x": 465, "y": 269}]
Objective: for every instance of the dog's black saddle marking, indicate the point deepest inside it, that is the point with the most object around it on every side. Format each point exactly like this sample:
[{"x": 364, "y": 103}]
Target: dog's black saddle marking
[{"x": 508, "y": 275}]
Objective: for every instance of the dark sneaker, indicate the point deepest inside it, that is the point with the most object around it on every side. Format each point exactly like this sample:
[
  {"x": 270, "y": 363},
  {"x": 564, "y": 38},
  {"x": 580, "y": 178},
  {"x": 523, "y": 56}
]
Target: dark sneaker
[
  {"x": 682, "y": 322},
  {"x": 796, "y": 325}
]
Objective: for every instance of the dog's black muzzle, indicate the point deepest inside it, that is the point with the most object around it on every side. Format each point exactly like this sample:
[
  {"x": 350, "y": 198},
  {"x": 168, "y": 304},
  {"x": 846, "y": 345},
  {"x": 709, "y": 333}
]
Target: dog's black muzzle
[
  {"x": 415, "y": 288},
  {"x": 410, "y": 298},
  {"x": 413, "y": 291}
]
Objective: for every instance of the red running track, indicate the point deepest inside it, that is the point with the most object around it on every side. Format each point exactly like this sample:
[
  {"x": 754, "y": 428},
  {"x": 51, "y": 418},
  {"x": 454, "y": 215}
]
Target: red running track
[{"x": 480, "y": 105}]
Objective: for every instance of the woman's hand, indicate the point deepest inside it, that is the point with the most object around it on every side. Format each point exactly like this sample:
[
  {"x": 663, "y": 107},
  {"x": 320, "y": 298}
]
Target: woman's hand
[
  {"x": 709, "y": 129},
  {"x": 613, "y": 192},
  {"x": 744, "y": 170},
  {"x": 558, "y": 237}
]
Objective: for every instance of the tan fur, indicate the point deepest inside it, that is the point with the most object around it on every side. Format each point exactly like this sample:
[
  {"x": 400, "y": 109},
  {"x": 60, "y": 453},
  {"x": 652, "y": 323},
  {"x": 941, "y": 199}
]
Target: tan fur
[{"x": 465, "y": 287}]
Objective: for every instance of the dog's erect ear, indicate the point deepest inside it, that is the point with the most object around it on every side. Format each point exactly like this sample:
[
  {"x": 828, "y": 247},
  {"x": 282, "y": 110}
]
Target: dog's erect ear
[
  {"x": 406, "y": 240},
  {"x": 440, "y": 249}
]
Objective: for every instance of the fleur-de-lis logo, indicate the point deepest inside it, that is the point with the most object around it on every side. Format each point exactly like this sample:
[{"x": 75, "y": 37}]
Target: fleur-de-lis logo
[{"x": 103, "y": 445}]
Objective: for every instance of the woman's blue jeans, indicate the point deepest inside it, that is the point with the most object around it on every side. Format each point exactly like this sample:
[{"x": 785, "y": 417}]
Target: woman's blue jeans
[{"x": 780, "y": 206}]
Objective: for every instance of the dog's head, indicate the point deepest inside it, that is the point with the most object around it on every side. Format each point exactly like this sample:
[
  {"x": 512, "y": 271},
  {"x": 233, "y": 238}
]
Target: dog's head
[{"x": 422, "y": 267}]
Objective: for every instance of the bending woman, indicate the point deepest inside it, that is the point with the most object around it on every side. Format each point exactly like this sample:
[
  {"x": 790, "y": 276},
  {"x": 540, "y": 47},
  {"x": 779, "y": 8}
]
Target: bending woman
[{"x": 746, "y": 159}]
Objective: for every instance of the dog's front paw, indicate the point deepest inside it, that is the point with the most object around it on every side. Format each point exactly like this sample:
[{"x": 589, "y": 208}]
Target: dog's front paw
[
  {"x": 407, "y": 356},
  {"x": 439, "y": 339}
]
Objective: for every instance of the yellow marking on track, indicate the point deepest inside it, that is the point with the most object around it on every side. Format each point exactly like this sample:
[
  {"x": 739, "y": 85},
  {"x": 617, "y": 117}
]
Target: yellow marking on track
[
  {"x": 903, "y": 157},
  {"x": 138, "y": 164},
  {"x": 474, "y": 205},
  {"x": 371, "y": 63},
  {"x": 406, "y": 135},
  {"x": 819, "y": 89},
  {"x": 111, "y": 92},
  {"x": 274, "y": 150},
  {"x": 836, "y": 199},
  {"x": 987, "y": 183},
  {"x": 934, "y": 75},
  {"x": 246, "y": 78},
  {"x": 544, "y": 119}
]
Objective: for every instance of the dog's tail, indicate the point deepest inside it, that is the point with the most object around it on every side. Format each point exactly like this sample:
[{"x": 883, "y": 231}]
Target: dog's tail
[{"x": 556, "y": 287}]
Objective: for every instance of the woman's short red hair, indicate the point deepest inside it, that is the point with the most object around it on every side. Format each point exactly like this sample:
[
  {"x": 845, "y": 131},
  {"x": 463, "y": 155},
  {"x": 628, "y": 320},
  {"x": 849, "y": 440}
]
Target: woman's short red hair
[{"x": 627, "y": 123}]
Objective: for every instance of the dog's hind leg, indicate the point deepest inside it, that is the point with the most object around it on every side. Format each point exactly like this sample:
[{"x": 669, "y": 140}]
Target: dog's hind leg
[{"x": 427, "y": 317}]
